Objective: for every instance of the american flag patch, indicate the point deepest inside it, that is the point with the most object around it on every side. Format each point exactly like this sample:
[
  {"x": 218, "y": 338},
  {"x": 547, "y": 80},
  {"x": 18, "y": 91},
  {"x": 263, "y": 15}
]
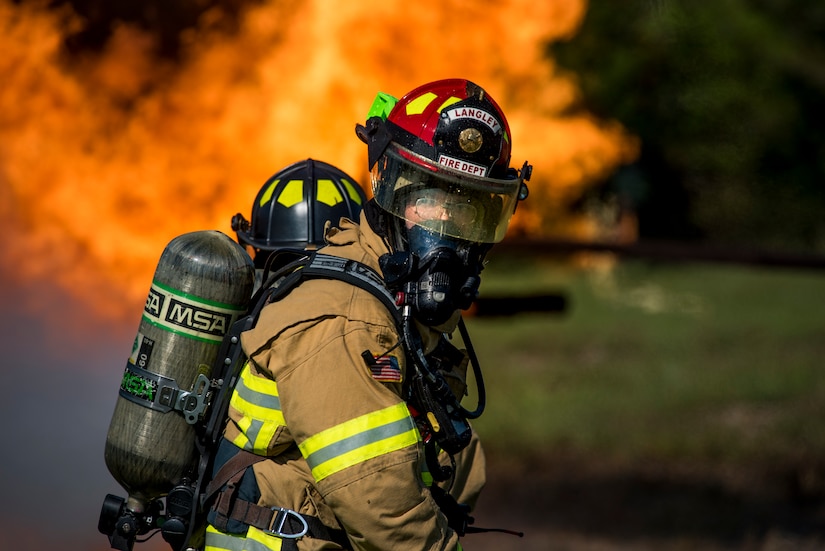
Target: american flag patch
[{"x": 385, "y": 369}]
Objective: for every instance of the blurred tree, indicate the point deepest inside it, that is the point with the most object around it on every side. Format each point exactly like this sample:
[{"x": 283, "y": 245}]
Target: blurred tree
[{"x": 725, "y": 97}]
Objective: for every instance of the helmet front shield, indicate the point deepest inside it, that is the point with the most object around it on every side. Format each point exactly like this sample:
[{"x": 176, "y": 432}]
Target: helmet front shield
[{"x": 445, "y": 201}]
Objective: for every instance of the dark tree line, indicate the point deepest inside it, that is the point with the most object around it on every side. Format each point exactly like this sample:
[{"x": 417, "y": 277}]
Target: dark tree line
[{"x": 726, "y": 97}]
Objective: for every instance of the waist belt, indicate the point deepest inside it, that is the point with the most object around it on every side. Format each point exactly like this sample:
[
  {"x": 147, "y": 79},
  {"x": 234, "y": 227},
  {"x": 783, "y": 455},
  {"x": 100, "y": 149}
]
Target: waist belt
[{"x": 277, "y": 521}]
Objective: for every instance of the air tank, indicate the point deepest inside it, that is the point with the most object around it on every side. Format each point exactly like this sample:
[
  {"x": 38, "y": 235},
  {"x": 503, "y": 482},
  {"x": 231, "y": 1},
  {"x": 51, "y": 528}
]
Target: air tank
[{"x": 202, "y": 284}]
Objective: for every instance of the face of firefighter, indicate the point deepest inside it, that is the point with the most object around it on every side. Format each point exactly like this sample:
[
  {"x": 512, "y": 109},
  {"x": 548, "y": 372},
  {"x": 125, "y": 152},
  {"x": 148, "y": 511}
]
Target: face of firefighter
[
  {"x": 445, "y": 274},
  {"x": 434, "y": 206}
]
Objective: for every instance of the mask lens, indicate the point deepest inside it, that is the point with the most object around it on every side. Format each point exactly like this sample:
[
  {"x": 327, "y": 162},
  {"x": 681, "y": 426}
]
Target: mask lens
[
  {"x": 430, "y": 208},
  {"x": 463, "y": 213}
]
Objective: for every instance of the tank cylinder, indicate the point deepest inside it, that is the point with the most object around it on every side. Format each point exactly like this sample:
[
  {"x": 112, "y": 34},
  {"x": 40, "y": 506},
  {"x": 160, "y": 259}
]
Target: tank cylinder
[{"x": 202, "y": 284}]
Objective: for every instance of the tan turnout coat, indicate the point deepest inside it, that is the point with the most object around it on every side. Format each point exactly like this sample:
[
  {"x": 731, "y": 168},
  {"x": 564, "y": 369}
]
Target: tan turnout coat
[{"x": 341, "y": 443}]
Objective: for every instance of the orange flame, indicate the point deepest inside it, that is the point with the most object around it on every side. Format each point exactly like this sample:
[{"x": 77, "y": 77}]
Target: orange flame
[{"x": 104, "y": 159}]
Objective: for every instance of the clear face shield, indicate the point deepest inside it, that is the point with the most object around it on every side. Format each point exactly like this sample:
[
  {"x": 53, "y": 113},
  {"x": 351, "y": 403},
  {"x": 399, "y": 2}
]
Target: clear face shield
[
  {"x": 446, "y": 220},
  {"x": 444, "y": 201}
]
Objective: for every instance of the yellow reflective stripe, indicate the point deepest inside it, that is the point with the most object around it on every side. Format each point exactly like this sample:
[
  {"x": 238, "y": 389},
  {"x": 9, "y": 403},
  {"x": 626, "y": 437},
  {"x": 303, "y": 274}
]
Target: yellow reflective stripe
[
  {"x": 357, "y": 440},
  {"x": 426, "y": 475},
  {"x": 328, "y": 193},
  {"x": 417, "y": 106},
  {"x": 267, "y": 195},
  {"x": 242, "y": 442},
  {"x": 292, "y": 194},
  {"x": 254, "y": 540},
  {"x": 447, "y": 102},
  {"x": 257, "y": 400},
  {"x": 351, "y": 191},
  {"x": 267, "y": 542},
  {"x": 257, "y": 396}
]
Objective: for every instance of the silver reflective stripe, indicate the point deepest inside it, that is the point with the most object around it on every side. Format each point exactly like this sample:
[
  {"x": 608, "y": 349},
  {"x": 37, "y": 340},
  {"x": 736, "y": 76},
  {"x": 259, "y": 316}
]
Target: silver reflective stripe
[
  {"x": 252, "y": 433},
  {"x": 268, "y": 401},
  {"x": 359, "y": 440}
]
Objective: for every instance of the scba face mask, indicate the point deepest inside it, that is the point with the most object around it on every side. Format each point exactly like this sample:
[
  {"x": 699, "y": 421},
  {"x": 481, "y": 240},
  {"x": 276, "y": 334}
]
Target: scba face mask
[{"x": 437, "y": 274}]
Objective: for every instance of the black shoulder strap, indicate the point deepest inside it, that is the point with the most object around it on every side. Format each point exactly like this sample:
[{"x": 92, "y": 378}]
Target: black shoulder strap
[
  {"x": 325, "y": 266},
  {"x": 354, "y": 273}
]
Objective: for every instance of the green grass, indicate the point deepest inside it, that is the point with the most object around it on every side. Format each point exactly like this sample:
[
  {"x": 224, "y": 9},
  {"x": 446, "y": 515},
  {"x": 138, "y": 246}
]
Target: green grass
[{"x": 668, "y": 361}]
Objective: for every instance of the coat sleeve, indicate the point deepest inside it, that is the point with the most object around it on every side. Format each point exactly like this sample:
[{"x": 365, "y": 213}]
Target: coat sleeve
[{"x": 356, "y": 433}]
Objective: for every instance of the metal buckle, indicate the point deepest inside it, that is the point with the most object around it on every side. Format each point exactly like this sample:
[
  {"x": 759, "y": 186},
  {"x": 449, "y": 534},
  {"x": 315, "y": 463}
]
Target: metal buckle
[{"x": 284, "y": 514}]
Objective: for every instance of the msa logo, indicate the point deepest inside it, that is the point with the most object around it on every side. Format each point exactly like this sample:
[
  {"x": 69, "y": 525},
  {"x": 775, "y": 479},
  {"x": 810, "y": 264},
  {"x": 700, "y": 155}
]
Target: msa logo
[
  {"x": 137, "y": 386},
  {"x": 154, "y": 303},
  {"x": 197, "y": 318},
  {"x": 188, "y": 315}
]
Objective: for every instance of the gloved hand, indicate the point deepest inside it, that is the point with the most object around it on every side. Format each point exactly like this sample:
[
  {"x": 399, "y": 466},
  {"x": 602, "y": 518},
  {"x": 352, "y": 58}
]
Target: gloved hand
[{"x": 458, "y": 514}]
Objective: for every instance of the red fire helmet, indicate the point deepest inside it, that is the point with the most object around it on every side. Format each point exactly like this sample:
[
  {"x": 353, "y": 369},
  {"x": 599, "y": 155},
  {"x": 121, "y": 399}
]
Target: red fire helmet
[{"x": 445, "y": 143}]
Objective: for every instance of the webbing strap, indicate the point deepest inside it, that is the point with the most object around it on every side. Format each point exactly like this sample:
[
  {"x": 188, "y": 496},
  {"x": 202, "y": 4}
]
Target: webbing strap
[
  {"x": 321, "y": 266},
  {"x": 232, "y": 470},
  {"x": 274, "y": 520},
  {"x": 230, "y": 507}
]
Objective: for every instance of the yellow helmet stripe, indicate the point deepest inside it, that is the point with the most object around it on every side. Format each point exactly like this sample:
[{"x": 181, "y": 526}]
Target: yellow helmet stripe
[
  {"x": 353, "y": 194},
  {"x": 328, "y": 193},
  {"x": 267, "y": 195},
  {"x": 417, "y": 106},
  {"x": 292, "y": 194},
  {"x": 448, "y": 102}
]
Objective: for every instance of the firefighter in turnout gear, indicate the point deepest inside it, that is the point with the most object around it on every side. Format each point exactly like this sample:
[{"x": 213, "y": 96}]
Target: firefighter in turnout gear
[{"x": 345, "y": 427}]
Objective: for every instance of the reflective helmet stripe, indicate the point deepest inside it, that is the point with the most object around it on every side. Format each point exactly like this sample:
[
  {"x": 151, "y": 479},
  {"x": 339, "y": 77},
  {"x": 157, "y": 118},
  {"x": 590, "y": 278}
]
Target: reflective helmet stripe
[
  {"x": 266, "y": 196},
  {"x": 353, "y": 191},
  {"x": 419, "y": 104},
  {"x": 328, "y": 193},
  {"x": 292, "y": 194}
]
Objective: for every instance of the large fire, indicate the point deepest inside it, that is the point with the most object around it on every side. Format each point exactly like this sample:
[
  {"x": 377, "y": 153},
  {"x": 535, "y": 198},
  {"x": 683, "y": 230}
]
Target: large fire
[{"x": 105, "y": 158}]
